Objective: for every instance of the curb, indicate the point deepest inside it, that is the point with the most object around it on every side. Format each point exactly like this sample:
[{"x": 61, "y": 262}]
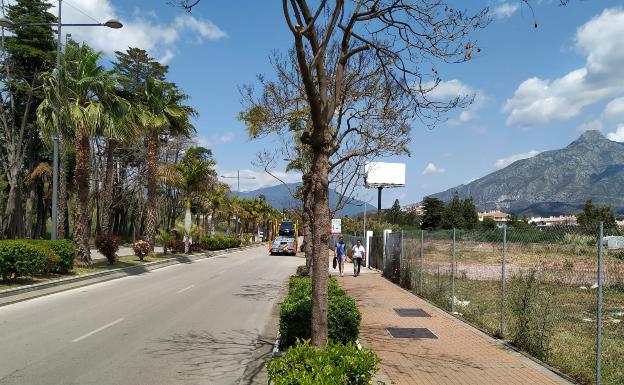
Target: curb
[
  {"x": 27, "y": 292},
  {"x": 497, "y": 341}
]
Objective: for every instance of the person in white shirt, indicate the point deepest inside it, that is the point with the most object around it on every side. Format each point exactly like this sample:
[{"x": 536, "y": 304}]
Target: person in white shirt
[{"x": 358, "y": 254}]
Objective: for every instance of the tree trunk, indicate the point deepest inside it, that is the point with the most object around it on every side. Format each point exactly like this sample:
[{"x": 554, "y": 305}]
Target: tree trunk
[
  {"x": 320, "y": 249},
  {"x": 61, "y": 206},
  {"x": 107, "y": 192},
  {"x": 82, "y": 174},
  {"x": 28, "y": 212},
  {"x": 307, "y": 216},
  {"x": 13, "y": 224},
  {"x": 152, "y": 176}
]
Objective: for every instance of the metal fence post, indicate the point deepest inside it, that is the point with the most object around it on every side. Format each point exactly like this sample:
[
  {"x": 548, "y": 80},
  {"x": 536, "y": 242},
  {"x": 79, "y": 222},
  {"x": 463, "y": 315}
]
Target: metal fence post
[
  {"x": 502, "y": 301},
  {"x": 401, "y": 266},
  {"x": 599, "y": 310},
  {"x": 422, "y": 260},
  {"x": 453, "y": 276}
]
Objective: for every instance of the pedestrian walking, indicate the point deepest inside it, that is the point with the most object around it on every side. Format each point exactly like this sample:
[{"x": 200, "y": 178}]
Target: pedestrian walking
[
  {"x": 358, "y": 254},
  {"x": 340, "y": 255}
]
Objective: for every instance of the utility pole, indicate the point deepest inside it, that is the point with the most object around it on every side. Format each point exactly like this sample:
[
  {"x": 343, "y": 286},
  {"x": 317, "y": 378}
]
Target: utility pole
[{"x": 238, "y": 178}]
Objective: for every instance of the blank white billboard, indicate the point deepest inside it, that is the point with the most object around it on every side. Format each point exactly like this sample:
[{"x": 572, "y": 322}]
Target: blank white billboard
[{"x": 383, "y": 174}]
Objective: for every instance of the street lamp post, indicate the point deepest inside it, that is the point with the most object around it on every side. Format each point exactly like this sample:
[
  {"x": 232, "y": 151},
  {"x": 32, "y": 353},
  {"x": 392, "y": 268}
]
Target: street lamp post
[{"x": 112, "y": 23}]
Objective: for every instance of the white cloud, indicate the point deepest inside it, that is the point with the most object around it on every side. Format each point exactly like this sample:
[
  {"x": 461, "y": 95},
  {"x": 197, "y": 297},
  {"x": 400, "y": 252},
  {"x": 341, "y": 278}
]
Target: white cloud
[
  {"x": 141, "y": 30},
  {"x": 504, "y": 162},
  {"x": 260, "y": 178},
  {"x": 595, "y": 124},
  {"x": 539, "y": 101},
  {"x": 480, "y": 130},
  {"x": 446, "y": 91},
  {"x": 214, "y": 140},
  {"x": 227, "y": 137},
  {"x": 505, "y": 10},
  {"x": 432, "y": 169},
  {"x": 615, "y": 108},
  {"x": 618, "y": 135}
]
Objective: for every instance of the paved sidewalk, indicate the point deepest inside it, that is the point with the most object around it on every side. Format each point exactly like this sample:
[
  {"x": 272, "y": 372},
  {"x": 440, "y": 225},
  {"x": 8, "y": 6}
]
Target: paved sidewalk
[{"x": 460, "y": 354}]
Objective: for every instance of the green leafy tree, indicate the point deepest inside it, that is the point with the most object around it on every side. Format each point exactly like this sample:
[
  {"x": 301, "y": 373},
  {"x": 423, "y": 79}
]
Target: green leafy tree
[
  {"x": 394, "y": 213},
  {"x": 163, "y": 112},
  {"x": 28, "y": 52},
  {"x": 469, "y": 213},
  {"x": 453, "y": 216},
  {"x": 433, "y": 208},
  {"x": 591, "y": 216}
]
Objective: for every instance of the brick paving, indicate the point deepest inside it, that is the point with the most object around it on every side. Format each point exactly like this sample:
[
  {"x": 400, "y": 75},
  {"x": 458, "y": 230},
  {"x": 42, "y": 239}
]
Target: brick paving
[{"x": 461, "y": 355}]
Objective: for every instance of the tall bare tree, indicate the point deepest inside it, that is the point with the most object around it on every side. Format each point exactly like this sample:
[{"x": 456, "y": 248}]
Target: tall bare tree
[{"x": 365, "y": 68}]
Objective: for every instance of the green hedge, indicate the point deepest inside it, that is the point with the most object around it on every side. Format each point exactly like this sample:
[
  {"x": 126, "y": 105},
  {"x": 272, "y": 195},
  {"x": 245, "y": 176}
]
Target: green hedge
[
  {"x": 219, "y": 243},
  {"x": 21, "y": 258},
  {"x": 337, "y": 364},
  {"x": 296, "y": 312}
]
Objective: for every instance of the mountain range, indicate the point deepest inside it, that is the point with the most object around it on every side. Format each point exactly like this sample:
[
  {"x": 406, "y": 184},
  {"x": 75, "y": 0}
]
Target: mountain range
[
  {"x": 280, "y": 197},
  {"x": 554, "y": 182}
]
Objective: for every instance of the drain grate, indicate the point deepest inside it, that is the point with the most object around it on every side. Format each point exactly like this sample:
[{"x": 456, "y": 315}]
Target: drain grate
[
  {"x": 411, "y": 312},
  {"x": 411, "y": 333}
]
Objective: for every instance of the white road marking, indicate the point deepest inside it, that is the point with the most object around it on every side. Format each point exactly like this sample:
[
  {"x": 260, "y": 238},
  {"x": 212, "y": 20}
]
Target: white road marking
[
  {"x": 185, "y": 289},
  {"x": 97, "y": 330}
]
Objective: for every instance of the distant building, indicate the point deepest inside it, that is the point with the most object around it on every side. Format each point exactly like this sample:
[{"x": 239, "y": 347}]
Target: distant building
[
  {"x": 497, "y": 215},
  {"x": 417, "y": 209},
  {"x": 561, "y": 220}
]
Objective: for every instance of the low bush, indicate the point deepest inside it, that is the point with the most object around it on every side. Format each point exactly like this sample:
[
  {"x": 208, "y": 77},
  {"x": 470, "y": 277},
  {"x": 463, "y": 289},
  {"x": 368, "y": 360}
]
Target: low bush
[
  {"x": 219, "y": 243},
  {"x": 141, "y": 249},
  {"x": 63, "y": 252},
  {"x": 532, "y": 325},
  {"x": 21, "y": 258},
  {"x": 337, "y": 364},
  {"x": 166, "y": 238},
  {"x": 296, "y": 311},
  {"x": 108, "y": 245}
]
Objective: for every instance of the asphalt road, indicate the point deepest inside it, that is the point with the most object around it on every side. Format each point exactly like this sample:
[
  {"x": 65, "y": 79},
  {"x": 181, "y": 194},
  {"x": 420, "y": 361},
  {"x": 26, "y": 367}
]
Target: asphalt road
[{"x": 185, "y": 324}]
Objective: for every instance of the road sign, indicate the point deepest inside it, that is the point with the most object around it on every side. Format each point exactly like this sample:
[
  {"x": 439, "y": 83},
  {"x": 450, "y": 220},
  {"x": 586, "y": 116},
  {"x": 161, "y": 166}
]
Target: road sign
[{"x": 336, "y": 226}]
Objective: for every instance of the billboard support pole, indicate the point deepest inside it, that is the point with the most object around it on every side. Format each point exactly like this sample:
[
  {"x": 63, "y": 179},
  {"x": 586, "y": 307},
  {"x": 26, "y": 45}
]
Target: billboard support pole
[{"x": 379, "y": 202}]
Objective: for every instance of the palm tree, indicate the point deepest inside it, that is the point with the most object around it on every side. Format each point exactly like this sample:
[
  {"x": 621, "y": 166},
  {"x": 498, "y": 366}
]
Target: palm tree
[
  {"x": 89, "y": 102},
  {"x": 162, "y": 113},
  {"x": 215, "y": 202},
  {"x": 193, "y": 175}
]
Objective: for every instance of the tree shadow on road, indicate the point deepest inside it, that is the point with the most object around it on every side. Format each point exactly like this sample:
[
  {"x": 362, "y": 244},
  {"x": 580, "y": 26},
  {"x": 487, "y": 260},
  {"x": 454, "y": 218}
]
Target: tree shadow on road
[
  {"x": 263, "y": 290},
  {"x": 207, "y": 355}
]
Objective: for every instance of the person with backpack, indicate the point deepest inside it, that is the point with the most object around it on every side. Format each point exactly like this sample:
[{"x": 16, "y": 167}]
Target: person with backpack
[
  {"x": 340, "y": 255},
  {"x": 358, "y": 254}
]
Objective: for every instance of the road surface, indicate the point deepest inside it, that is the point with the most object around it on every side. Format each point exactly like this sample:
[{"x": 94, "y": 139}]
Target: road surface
[{"x": 185, "y": 324}]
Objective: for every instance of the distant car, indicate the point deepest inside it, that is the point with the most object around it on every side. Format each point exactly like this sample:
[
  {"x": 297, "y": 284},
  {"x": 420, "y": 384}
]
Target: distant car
[{"x": 287, "y": 228}]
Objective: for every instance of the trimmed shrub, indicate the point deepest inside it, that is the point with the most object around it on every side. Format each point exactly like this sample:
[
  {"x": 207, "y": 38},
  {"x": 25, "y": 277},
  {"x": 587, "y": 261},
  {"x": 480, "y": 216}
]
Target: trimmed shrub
[
  {"x": 63, "y": 253},
  {"x": 21, "y": 258},
  {"x": 337, "y": 364},
  {"x": 108, "y": 245},
  {"x": 141, "y": 249},
  {"x": 219, "y": 243},
  {"x": 296, "y": 311}
]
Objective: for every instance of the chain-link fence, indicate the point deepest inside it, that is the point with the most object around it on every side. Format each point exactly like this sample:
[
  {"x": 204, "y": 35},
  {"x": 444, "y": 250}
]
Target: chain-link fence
[{"x": 537, "y": 287}]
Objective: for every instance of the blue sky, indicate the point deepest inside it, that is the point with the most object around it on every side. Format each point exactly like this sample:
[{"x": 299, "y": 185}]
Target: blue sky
[{"x": 536, "y": 89}]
